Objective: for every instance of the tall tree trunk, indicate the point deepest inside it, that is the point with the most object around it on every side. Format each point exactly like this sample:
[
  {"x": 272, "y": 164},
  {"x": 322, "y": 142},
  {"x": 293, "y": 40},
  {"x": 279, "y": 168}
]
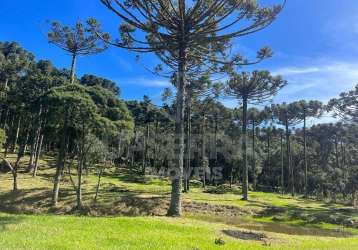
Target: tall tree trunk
[
  {"x": 16, "y": 135},
  {"x": 146, "y": 145},
  {"x": 134, "y": 142},
  {"x": 6, "y": 83},
  {"x": 215, "y": 150},
  {"x": 254, "y": 174},
  {"x": 98, "y": 184},
  {"x": 6, "y": 117},
  {"x": 36, "y": 139},
  {"x": 288, "y": 154},
  {"x": 282, "y": 167},
  {"x": 188, "y": 148},
  {"x": 38, "y": 153},
  {"x": 292, "y": 176},
  {"x": 305, "y": 152},
  {"x": 20, "y": 154},
  {"x": 232, "y": 165},
  {"x": 175, "y": 208},
  {"x": 336, "y": 151},
  {"x": 204, "y": 161},
  {"x": 73, "y": 68},
  {"x": 80, "y": 166},
  {"x": 155, "y": 153},
  {"x": 60, "y": 162},
  {"x": 79, "y": 182},
  {"x": 245, "y": 183},
  {"x": 145, "y": 152},
  {"x": 269, "y": 156}
]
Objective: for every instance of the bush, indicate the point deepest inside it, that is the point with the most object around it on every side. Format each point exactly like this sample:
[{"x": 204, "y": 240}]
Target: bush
[{"x": 222, "y": 189}]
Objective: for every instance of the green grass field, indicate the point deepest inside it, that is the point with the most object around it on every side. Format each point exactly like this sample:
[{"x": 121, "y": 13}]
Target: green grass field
[{"x": 130, "y": 214}]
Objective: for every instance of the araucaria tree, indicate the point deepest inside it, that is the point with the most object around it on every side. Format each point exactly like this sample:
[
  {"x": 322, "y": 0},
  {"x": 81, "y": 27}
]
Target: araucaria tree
[
  {"x": 287, "y": 115},
  {"x": 307, "y": 110},
  {"x": 77, "y": 41},
  {"x": 346, "y": 106},
  {"x": 254, "y": 88},
  {"x": 189, "y": 37}
]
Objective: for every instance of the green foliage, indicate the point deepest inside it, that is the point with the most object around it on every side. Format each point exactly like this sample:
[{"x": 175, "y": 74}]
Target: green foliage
[
  {"x": 346, "y": 106},
  {"x": 14, "y": 61},
  {"x": 91, "y": 80},
  {"x": 2, "y": 138},
  {"x": 99, "y": 108},
  {"x": 255, "y": 87},
  {"x": 75, "y": 40}
]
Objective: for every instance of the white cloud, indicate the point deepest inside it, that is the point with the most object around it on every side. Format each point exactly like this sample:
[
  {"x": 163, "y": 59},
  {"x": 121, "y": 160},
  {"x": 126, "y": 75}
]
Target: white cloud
[
  {"x": 322, "y": 80},
  {"x": 146, "y": 82},
  {"x": 294, "y": 71}
]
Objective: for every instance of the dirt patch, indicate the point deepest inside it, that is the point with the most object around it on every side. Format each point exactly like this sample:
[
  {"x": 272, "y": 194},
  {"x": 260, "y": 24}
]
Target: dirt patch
[
  {"x": 125, "y": 203},
  {"x": 245, "y": 235},
  {"x": 207, "y": 208}
]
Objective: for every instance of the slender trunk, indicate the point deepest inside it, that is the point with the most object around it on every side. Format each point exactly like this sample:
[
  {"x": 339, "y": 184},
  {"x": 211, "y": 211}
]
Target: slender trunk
[
  {"x": 282, "y": 167},
  {"x": 133, "y": 148},
  {"x": 245, "y": 183},
  {"x": 269, "y": 156},
  {"x": 81, "y": 164},
  {"x": 14, "y": 176},
  {"x": 336, "y": 151},
  {"x": 188, "y": 148},
  {"x": 20, "y": 154},
  {"x": 175, "y": 208},
  {"x": 231, "y": 175},
  {"x": 38, "y": 153},
  {"x": 60, "y": 162},
  {"x": 254, "y": 174},
  {"x": 292, "y": 176},
  {"x": 232, "y": 163},
  {"x": 6, "y": 117},
  {"x": 16, "y": 135},
  {"x": 6, "y": 83},
  {"x": 145, "y": 151},
  {"x": 204, "y": 161},
  {"x": 343, "y": 156},
  {"x": 73, "y": 68},
  {"x": 32, "y": 155},
  {"x": 155, "y": 157},
  {"x": 36, "y": 139},
  {"x": 305, "y": 153},
  {"x": 79, "y": 183},
  {"x": 146, "y": 146},
  {"x": 215, "y": 150},
  {"x": 98, "y": 184},
  {"x": 288, "y": 155},
  {"x": 12, "y": 122}
]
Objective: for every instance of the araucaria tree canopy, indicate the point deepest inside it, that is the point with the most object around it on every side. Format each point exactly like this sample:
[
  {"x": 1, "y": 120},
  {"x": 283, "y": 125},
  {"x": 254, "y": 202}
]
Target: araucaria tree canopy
[{"x": 189, "y": 37}]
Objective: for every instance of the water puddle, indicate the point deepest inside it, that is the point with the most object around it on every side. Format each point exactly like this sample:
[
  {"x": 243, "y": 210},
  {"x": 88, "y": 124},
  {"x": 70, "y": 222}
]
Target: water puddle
[{"x": 274, "y": 227}]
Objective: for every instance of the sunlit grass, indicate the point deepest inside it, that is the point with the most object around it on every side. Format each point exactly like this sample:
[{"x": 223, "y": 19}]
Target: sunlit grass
[
  {"x": 67, "y": 232},
  {"x": 289, "y": 222}
]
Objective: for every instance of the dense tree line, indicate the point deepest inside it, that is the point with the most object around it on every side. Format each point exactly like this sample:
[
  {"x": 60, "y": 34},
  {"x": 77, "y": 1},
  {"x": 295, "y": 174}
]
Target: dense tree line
[
  {"x": 192, "y": 136},
  {"x": 42, "y": 110},
  {"x": 88, "y": 126}
]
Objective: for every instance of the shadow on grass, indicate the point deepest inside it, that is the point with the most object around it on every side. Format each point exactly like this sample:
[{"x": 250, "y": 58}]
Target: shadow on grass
[
  {"x": 6, "y": 220},
  {"x": 118, "y": 202},
  {"x": 309, "y": 216},
  {"x": 25, "y": 201}
]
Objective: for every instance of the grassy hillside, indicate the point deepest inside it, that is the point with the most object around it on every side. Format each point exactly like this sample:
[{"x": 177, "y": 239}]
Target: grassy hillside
[{"x": 129, "y": 214}]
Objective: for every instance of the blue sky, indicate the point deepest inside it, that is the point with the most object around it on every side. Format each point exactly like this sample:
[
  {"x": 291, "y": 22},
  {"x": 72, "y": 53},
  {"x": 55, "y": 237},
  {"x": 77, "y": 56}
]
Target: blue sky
[{"x": 315, "y": 45}]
